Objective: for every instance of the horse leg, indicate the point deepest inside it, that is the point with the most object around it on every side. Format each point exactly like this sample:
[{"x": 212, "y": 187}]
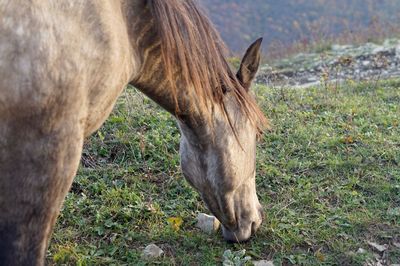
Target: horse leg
[{"x": 38, "y": 161}]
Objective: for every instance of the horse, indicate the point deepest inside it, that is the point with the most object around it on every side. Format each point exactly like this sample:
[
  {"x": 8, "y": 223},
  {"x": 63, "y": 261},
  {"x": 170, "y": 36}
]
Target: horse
[{"x": 62, "y": 66}]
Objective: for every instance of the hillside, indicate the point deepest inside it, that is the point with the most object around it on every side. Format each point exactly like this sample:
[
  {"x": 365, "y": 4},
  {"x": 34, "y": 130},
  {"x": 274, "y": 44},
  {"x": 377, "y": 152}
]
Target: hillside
[
  {"x": 287, "y": 21},
  {"x": 339, "y": 64}
]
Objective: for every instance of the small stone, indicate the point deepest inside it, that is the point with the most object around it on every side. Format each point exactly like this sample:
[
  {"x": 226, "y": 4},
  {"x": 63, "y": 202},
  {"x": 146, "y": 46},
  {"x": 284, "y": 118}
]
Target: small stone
[
  {"x": 263, "y": 263},
  {"x": 361, "y": 251},
  {"x": 380, "y": 248},
  {"x": 397, "y": 245},
  {"x": 366, "y": 63},
  {"x": 379, "y": 49},
  {"x": 207, "y": 223},
  {"x": 152, "y": 251}
]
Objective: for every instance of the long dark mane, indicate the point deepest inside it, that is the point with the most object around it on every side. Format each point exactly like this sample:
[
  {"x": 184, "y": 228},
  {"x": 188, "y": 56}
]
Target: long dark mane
[{"x": 189, "y": 41}]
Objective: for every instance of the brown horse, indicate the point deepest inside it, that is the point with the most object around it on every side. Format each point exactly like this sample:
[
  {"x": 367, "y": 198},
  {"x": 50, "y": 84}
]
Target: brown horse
[{"x": 62, "y": 66}]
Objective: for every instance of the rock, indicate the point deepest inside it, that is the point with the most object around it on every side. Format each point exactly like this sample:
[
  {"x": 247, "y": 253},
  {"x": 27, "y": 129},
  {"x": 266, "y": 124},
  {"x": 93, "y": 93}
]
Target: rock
[
  {"x": 379, "y": 49},
  {"x": 380, "y": 248},
  {"x": 398, "y": 50},
  {"x": 263, "y": 263},
  {"x": 338, "y": 48},
  {"x": 207, "y": 223},
  {"x": 152, "y": 251},
  {"x": 361, "y": 251},
  {"x": 397, "y": 245},
  {"x": 365, "y": 63}
]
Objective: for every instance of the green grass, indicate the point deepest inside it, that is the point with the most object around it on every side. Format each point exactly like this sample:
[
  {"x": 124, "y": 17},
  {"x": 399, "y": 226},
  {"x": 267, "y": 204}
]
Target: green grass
[{"x": 328, "y": 177}]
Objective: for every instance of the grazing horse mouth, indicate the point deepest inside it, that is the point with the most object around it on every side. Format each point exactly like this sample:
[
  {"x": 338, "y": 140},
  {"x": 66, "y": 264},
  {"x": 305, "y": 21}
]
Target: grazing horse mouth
[
  {"x": 240, "y": 235},
  {"x": 236, "y": 230}
]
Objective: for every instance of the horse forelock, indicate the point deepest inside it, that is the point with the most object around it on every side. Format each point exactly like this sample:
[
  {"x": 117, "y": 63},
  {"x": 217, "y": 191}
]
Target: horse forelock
[{"x": 192, "y": 49}]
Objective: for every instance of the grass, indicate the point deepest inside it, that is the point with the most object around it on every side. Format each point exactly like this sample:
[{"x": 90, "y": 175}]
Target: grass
[{"x": 328, "y": 177}]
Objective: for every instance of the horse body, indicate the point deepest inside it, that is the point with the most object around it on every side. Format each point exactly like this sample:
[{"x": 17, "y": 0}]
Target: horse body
[
  {"x": 62, "y": 66},
  {"x": 53, "y": 51}
]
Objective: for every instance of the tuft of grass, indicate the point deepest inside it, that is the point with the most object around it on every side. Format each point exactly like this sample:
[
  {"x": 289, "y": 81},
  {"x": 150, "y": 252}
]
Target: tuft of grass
[{"x": 328, "y": 176}]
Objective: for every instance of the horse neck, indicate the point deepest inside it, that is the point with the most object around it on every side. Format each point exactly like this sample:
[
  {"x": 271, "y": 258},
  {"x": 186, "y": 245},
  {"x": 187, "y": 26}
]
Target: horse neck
[{"x": 151, "y": 79}]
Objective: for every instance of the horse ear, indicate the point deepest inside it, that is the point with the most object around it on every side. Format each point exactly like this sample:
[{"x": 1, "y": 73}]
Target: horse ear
[{"x": 249, "y": 65}]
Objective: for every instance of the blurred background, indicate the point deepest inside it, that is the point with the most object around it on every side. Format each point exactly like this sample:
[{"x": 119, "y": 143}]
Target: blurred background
[{"x": 292, "y": 26}]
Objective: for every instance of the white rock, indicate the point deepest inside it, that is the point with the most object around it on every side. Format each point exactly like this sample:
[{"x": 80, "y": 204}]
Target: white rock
[
  {"x": 263, "y": 263},
  {"x": 361, "y": 251},
  {"x": 380, "y": 248},
  {"x": 398, "y": 51},
  {"x": 152, "y": 251},
  {"x": 337, "y": 47},
  {"x": 366, "y": 63},
  {"x": 379, "y": 49},
  {"x": 207, "y": 223}
]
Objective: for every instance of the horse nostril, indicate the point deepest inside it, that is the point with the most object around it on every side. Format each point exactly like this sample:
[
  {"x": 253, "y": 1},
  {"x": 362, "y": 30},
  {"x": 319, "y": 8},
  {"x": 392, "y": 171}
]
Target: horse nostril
[{"x": 253, "y": 227}]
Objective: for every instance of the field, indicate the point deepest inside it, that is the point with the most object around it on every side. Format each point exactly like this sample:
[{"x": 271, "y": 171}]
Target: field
[{"x": 328, "y": 177}]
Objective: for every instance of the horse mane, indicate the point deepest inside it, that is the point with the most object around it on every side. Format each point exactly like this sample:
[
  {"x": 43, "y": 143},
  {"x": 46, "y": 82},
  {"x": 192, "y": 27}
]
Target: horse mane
[{"x": 190, "y": 43}]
